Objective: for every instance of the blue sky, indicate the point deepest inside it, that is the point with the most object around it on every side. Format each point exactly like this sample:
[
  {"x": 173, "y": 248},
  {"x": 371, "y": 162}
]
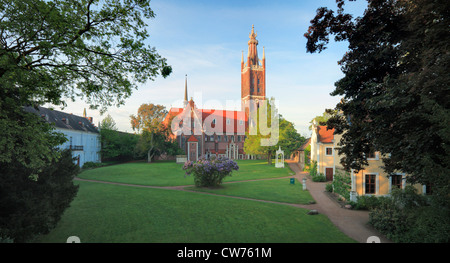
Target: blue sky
[{"x": 205, "y": 40}]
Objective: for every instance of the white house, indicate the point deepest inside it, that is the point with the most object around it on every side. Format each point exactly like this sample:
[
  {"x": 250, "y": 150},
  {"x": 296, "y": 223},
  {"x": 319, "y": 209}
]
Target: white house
[{"x": 83, "y": 138}]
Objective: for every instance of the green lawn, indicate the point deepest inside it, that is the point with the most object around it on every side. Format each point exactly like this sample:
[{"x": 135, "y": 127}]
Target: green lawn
[
  {"x": 171, "y": 174},
  {"x": 279, "y": 190},
  {"x": 113, "y": 213}
]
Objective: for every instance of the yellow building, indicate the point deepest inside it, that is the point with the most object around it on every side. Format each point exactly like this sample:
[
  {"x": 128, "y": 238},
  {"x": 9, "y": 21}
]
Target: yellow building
[
  {"x": 372, "y": 180},
  {"x": 324, "y": 150}
]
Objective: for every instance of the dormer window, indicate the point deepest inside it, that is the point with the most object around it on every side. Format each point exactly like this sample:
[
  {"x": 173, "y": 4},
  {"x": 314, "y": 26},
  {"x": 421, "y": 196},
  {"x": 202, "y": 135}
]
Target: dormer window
[{"x": 44, "y": 116}]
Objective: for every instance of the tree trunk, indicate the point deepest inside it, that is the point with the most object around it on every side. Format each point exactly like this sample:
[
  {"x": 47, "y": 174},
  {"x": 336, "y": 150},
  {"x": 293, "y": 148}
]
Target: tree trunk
[
  {"x": 150, "y": 155},
  {"x": 269, "y": 157}
]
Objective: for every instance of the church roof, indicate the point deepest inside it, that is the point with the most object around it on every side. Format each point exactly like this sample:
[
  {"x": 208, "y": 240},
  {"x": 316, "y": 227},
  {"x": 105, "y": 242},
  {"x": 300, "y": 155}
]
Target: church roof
[{"x": 231, "y": 120}]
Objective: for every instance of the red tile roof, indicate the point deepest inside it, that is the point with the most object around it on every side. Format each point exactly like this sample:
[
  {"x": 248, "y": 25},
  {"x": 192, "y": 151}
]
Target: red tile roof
[
  {"x": 325, "y": 135},
  {"x": 221, "y": 117}
]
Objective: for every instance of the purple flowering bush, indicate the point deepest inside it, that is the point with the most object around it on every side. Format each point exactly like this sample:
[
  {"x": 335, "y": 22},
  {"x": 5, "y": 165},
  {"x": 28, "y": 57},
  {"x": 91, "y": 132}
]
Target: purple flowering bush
[{"x": 210, "y": 172}]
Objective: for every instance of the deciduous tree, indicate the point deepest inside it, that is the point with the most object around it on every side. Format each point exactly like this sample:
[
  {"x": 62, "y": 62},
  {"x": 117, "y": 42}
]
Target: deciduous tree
[
  {"x": 396, "y": 93},
  {"x": 155, "y": 136},
  {"x": 287, "y": 136},
  {"x": 54, "y": 50}
]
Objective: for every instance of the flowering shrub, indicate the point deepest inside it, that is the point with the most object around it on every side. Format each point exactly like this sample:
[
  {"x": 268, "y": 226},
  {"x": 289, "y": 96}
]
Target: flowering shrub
[{"x": 210, "y": 172}]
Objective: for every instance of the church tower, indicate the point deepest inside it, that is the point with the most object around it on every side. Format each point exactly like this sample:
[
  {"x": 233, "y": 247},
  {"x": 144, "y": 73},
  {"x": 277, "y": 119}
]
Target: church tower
[{"x": 253, "y": 74}]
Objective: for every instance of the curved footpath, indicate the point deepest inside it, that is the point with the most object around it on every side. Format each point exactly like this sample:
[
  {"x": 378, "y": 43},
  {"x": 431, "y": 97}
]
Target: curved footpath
[{"x": 353, "y": 223}]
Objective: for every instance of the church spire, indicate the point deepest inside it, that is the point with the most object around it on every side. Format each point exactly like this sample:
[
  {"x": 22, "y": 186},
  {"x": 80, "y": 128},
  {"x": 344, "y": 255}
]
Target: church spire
[
  {"x": 185, "y": 102},
  {"x": 252, "y": 52},
  {"x": 253, "y": 34}
]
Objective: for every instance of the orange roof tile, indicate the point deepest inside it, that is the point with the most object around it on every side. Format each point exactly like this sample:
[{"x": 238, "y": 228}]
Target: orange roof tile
[
  {"x": 235, "y": 117},
  {"x": 325, "y": 135}
]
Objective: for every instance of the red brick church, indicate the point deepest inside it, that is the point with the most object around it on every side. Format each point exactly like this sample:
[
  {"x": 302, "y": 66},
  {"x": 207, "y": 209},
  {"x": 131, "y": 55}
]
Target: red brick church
[{"x": 211, "y": 132}]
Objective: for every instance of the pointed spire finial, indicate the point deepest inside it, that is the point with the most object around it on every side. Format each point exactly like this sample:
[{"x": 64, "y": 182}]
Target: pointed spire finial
[
  {"x": 253, "y": 34},
  {"x": 242, "y": 58},
  {"x": 264, "y": 54},
  {"x": 84, "y": 113}
]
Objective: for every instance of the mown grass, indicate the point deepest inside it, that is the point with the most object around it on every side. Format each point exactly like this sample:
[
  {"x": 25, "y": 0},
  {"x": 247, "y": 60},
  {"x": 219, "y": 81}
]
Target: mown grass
[
  {"x": 172, "y": 174},
  {"x": 278, "y": 190},
  {"x": 105, "y": 213}
]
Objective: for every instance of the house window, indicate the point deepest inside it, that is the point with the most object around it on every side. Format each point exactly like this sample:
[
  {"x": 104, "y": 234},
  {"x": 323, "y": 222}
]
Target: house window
[
  {"x": 211, "y": 138},
  {"x": 396, "y": 181},
  {"x": 241, "y": 122},
  {"x": 370, "y": 183},
  {"x": 232, "y": 138},
  {"x": 218, "y": 138},
  {"x": 371, "y": 155},
  {"x": 239, "y": 138},
  {"x": 228, "y": 121},
  {"x": 214, "y": 121},
  {"x": 206, "y": 138},
  {"x": 328, "y": 151},
  {"x": 225, "y": 137}
]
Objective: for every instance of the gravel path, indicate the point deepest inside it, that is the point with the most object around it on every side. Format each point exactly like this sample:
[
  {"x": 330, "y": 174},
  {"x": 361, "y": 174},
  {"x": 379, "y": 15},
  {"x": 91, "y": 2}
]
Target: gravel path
[{"x": 353, "y": 223}]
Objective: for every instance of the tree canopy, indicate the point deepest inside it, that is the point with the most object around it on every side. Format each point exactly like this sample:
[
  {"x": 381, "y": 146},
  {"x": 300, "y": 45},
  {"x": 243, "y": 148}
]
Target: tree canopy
[
  {"x": 116, "y": 145},
  {"x": 395, "y": 89},
  {"x": 108, "y": 123},
  {"x": 149, "y": 117},
  {"x": 286, "y": 135},
  {"x": 322, "y": 119},
  {"x": 53, "y": 51},
  {"x": 89, "y": 48},
  {"x": 155, "y": 137}
]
